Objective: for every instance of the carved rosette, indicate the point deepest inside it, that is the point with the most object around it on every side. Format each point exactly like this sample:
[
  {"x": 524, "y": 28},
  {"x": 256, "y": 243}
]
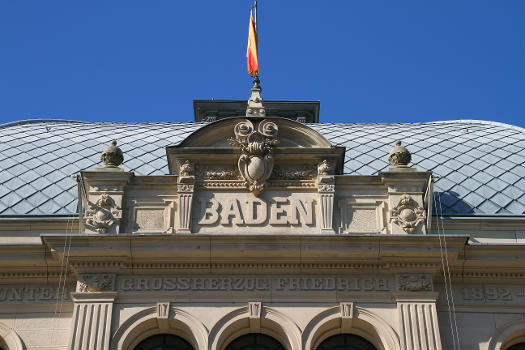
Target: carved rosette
[
  {"x": 415, "y": 283},
  {"x": 102, "y": 215},
  {"x": 408, "y": 214},
  {"x": 89, "y": 283},
  {"x": 257, "y": 146}
]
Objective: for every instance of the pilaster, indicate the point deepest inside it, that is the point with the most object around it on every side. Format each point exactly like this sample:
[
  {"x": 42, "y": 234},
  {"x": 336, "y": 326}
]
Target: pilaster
[
  {"x": 326, "y": 189},
  {"x": 185, "y": 190},
  {"x": 92, "y": 312},
  {"x": 417, "y": 314}
]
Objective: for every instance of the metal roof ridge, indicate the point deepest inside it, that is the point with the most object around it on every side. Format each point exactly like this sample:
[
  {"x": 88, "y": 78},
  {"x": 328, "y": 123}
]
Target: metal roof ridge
[{"x": 54, "y": 120}]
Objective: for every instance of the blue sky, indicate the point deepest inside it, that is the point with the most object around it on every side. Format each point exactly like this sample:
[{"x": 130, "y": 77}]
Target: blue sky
[{"x": 366, "y": 61}]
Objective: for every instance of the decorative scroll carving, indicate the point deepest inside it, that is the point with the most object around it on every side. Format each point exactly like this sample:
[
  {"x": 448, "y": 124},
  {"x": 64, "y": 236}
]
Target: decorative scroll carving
[
  {"x": 96, "y": 283},
  {"x": 257, "y": 145},
  {"x": 408, "y": 214},
  {"x": 102, "y": 215},
  {"x": 415, "y": 283}
]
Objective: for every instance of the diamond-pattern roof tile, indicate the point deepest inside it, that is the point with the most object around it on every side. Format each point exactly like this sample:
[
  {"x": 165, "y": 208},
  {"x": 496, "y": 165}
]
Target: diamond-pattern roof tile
[{"x": 481, "y": 164}]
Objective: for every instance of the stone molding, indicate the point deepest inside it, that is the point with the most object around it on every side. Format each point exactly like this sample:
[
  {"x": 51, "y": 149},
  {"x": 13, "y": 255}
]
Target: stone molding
[
  {"x": 146, "y": 323},
  {"x": 363, "y": 323},
  {"x": 272, "y": 323},
  {"x": 10, "y": 338}
]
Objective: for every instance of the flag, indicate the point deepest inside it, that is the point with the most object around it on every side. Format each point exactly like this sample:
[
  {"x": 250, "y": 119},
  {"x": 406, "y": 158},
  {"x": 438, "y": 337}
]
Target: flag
[{"x": 251, "y": 51}]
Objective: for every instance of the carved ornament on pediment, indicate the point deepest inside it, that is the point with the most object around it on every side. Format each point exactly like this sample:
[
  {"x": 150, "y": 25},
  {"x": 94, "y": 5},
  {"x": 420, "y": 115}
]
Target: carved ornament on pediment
[
  {"x": 185, "y": 188},
  {"x": 293, "y": 173},
  {"x": 408, "y": 214},
  {"x": 415, "y": 283},
  {"x": 102, "y": 215},
  {"x": 95, "y": 283},
  {"x": 325, "y": 168},
  {"x": 326, "y": 184},
  {"x": 186, "y": 168},
  {"x": 218, "y": 173},
  {"x": 257, "y": 144}
]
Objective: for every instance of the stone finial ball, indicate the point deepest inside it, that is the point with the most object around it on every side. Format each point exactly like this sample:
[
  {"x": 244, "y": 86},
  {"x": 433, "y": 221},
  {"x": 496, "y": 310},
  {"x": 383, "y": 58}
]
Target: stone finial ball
[
  {"x": 399, "y": 156},
  {"x": 112, "y": 156}
]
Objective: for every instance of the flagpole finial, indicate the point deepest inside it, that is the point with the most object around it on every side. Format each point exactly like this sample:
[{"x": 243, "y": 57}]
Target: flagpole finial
[{"x": 255, "y": 106}]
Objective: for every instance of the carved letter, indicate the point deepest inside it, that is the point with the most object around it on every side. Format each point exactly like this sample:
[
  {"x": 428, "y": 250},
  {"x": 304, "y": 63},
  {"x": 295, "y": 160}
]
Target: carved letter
[
  {"x": 304, "y": 209},
  {"x": 211, "y": 215},
  {"x": 231, "y": 208},
  {"x": 277, "y": 213},
  {"x": 255, "y": 212}
]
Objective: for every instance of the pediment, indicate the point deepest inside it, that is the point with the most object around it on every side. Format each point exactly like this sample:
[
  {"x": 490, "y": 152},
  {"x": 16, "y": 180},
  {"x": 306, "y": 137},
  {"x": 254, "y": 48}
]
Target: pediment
[
  {"x": 295, "y": 144},
  {"x": 291, "y": 134}
]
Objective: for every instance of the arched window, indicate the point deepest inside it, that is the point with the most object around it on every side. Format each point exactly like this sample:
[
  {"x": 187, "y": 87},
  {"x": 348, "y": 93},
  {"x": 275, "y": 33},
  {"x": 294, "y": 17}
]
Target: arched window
[
  {"x": 255, "y": 341},
  {"x": 519, "y": 346},
  {"x": 346, "y": 342},
  {"x": 164, "y": 342}
]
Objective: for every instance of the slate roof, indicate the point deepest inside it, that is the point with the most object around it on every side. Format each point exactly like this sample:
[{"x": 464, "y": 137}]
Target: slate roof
[{"x": 481, "y": 164}]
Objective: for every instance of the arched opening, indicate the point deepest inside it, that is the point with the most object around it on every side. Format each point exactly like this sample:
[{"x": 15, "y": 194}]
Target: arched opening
[
  {"x": 519, "y": 346},
  {"x": 164, "y": 342},
  {"x": 255, "y": 341},
  {"x": 346, "y": 342}
]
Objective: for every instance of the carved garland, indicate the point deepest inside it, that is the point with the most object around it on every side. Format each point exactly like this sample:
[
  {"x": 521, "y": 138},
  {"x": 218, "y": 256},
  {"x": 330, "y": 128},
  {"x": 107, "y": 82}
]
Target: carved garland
[
  {"x": 408, "y": 214},
  {"x": 102, "y": 215}
]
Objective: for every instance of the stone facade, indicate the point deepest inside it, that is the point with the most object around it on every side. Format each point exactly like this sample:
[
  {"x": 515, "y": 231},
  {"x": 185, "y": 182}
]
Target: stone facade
[{"x": 257, "y": 230}]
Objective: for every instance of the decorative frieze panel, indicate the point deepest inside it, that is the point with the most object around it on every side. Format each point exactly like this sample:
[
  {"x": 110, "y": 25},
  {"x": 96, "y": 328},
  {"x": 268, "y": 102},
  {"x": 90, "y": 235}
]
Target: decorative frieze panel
[
  {"x": 362, "y": 217},
  {"x": 88, "y": 283},
  {"x": 151, "y": 217},
  {"x": 415, "y": 283}
]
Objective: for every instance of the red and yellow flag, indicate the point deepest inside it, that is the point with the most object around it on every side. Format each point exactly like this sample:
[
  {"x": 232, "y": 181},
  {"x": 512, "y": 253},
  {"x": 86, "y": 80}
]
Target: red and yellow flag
[{"x": 251, "y": 52}]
